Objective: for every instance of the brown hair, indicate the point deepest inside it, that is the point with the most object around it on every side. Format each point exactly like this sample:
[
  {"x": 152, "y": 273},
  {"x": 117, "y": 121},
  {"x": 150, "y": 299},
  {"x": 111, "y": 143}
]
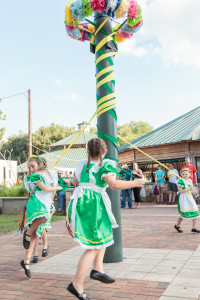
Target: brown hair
[
  {"x": 95, "y": 147},
  {"x": 41, "y": 162}
]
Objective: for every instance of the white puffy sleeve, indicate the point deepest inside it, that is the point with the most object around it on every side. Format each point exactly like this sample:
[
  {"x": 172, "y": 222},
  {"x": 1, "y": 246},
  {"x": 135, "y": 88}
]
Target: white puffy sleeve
[
  {"x": 54, "y": 177},
  {"x": 109, "y": 168},
  {"x": 79, "y": 169},
  {"x": 26, "y": 183}
]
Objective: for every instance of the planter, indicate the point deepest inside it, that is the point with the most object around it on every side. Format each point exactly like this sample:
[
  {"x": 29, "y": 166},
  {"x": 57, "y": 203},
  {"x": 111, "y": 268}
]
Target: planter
[{"x": 12, "y": 205}]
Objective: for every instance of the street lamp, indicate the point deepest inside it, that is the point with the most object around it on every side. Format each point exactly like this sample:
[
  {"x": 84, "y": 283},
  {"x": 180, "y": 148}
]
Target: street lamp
[{"x": 27, "y": 94}]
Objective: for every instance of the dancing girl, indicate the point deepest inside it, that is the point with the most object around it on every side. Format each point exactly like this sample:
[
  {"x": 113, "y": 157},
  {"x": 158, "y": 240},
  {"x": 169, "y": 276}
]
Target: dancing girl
[
  {"x": 43, "y": 184},
  {"x": 90, "y": 219}
]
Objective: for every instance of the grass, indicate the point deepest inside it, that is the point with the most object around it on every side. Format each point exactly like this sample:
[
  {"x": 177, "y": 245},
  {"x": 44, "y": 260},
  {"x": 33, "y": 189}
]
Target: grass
[{"x": 6, "y": 227}]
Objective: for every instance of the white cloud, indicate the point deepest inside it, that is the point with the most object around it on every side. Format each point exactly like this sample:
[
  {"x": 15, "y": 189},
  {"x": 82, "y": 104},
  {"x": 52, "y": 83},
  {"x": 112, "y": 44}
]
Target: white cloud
[
  {"x": 70, "y": 97},
  {"x": 171, "y": 30},
  {"x": 130, "y": 47}
]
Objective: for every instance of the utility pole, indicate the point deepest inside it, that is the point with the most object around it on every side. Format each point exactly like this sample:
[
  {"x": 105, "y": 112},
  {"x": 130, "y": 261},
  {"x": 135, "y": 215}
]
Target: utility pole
[
  {"x": 107, "y": 127},
  {"x": 29, "y": 124}
]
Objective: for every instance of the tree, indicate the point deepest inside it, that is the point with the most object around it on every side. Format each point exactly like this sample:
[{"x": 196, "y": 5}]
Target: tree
[
  {"x": 133, "y": 130},
  {"x": 93, "y": 130},
  {"x": 42, "y": 138},
  {"x": 18, "y": 146},
  {"x": 2, "y": 130},
  {"x": 46, "y": 136}
]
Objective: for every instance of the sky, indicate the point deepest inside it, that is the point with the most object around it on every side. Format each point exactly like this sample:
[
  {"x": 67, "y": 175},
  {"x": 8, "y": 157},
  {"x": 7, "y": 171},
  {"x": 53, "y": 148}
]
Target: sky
[{"x": 157, "y": 71}]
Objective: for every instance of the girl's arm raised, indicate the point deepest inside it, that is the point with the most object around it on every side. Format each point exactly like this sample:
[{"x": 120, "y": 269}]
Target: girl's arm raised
[
  {"x": 45, "y": 188},
  {"x": 121, "y": 184}
]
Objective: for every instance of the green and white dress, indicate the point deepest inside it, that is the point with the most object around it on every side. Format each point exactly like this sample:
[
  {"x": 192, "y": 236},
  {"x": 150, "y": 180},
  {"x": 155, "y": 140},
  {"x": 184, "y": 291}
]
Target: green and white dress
[
  {"x": 187, "y": 206},
  {"x": 40, "y": 203},
  {"x": 90, "y": 219}
]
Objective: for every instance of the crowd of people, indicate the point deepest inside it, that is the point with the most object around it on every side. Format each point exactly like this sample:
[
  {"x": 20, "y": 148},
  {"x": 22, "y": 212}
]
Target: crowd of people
[{"x": 171, "y": 176}]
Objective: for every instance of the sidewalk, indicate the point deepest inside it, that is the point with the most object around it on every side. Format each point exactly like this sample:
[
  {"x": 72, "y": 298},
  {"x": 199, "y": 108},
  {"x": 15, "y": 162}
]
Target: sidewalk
[{"x": 158, "y": 262}]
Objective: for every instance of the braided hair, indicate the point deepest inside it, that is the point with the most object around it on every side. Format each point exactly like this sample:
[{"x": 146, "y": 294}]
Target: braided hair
[{"x": 96, "y": 148}]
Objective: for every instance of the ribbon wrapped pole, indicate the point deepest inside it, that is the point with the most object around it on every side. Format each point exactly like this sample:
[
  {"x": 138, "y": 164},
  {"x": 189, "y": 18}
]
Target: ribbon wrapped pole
[{"x": 105, "y": 49}]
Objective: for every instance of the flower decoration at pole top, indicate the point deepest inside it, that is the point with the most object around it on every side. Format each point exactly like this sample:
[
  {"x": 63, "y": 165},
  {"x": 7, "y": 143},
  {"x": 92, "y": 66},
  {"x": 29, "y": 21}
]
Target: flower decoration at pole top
[{"x": 80, "y": 28}]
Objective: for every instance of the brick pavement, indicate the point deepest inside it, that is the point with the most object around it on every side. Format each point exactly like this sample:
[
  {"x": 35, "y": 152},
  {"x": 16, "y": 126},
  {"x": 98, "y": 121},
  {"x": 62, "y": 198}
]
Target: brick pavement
[{"x": 149, "y": 227}]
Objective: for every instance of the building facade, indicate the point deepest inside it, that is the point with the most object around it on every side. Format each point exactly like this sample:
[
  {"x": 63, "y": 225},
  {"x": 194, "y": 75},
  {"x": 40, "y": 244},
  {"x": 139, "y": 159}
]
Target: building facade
[{"x": 171, "y": 142}]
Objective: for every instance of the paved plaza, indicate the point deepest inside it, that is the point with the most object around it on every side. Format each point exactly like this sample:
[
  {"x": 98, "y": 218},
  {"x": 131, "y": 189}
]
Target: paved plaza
[{"x": 158, "y": 262}]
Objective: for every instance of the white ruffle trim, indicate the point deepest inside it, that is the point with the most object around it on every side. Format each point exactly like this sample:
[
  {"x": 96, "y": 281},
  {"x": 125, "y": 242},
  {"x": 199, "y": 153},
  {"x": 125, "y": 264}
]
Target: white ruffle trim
[
  {"x": 115, "y": 225},
  {"x": 108, "y": 174},
  {"x": 94, "y": 247}
]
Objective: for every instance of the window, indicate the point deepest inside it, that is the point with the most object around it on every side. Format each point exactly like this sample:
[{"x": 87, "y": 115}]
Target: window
[{"x": 198, "y": 168}]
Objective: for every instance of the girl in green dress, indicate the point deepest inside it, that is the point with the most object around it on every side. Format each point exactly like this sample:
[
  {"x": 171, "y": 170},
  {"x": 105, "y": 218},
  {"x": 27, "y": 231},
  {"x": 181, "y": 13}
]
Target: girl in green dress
[
  {"x": 43, "y": 184},
  {"x": 90, "y": 219},
  {"x": 187, "y": 206}
]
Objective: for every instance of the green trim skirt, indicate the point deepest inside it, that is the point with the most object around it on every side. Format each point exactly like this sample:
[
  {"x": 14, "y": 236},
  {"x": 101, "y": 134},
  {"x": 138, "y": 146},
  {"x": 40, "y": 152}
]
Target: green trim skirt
[
  {"x": 45, "y": 225},
  {"x": 34, "y": 210},
  {"x": 187, "y": 206},
  {"x": 92, "y": 227}
]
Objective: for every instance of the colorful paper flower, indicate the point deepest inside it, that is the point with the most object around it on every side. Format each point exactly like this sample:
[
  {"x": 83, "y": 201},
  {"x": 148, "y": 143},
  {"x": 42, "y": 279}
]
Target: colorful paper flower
[
  {"x": 77, "y": 10},
  {"x": 98, "y": 5},
  {"x": 122, "y": 10},
  {"x": 110, "y": 7},
  {"x": 133, "y": 9},
  {"x": 125, "y": 35},
  {"x": 134, "y": 21},
  {"x": 68, "y": 16},
  {"x": 87, "y": 8}
]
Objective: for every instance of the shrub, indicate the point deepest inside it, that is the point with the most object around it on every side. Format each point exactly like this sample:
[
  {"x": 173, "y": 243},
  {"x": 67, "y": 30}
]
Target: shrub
[{"x": 13, "y": 191}]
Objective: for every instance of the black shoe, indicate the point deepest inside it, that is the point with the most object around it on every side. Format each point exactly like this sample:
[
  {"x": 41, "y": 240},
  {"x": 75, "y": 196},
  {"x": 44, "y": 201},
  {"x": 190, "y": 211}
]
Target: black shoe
[
  {"x": 195, "y": 230},
  {"x": 178, "y": 229},
  {"x": 101, "y": 277},
  {"x": 74, "y": 292},
  {"x": 45, "y": 252},
  {"x": 59, "y": 210},
  {"x": 35, "y": 259},
  {"x": 26, "y": 243},
  {"x": 27, "y": 271},
  {"x": 130, "y": 207},
  {"x": 123, "y": 206}
]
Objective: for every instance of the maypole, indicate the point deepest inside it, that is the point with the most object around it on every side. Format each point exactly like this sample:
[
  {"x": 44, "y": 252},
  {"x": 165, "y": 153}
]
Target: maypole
[
  {"x": 104, "y": 38},
  {"x": 107, "y": 120}
]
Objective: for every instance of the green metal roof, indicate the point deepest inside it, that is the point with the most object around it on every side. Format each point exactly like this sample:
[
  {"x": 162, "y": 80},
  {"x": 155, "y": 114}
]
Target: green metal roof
[
  {"x": 70, "y": 159},
  {"x": 83, "y": 139},
  {"x": 184, "y": 128}
]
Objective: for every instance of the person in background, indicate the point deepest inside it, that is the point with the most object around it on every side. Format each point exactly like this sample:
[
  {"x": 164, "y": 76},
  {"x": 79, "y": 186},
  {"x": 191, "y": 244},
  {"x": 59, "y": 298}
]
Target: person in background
[
  {"x": 159, "y": 178},
  {"x": 187, "y": 206},
  {"x": 64, "y": 183},
  {"x": 137, "y": 173},
  {"x": 172, "y": 183},
  {"x": 125, "y": 174},
  {"x": 193, "y": 170},
  {"x": 71, "y": 179}
]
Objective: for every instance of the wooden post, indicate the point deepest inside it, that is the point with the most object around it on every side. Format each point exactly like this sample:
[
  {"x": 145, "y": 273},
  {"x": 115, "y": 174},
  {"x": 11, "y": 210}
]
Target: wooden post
[{"x": 29, "y": 124}]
